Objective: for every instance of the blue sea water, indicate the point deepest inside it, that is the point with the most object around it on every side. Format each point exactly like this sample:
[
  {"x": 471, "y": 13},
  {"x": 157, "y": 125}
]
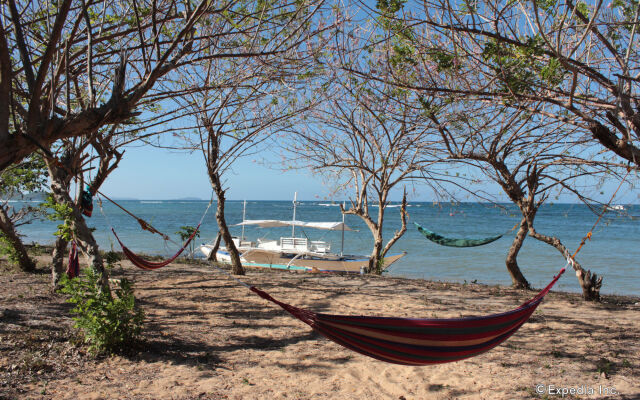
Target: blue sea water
[{"x": 613, "y": 251}]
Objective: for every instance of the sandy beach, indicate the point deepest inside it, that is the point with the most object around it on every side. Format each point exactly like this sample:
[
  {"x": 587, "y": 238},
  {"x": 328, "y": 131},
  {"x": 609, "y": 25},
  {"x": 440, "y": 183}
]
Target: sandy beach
[{"x": 207, "y": 337}]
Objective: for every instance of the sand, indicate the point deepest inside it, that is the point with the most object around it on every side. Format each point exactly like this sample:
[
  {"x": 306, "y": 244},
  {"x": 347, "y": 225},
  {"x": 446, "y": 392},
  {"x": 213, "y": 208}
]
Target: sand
[{"x": 208, "y": 337}]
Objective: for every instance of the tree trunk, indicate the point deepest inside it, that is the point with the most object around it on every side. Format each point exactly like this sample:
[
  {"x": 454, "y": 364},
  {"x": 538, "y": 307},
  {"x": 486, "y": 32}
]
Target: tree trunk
[
  {"x": 376, "y": 259},
  {"x": 361, "y": 209},
  {"x": 518, "y": 280},
  {"x": 57, "y": 262},
  {"x": 398, "y": 234},
  {"x": 236, "y": 265},
  {"x": 589, "y": 282},
  {"x": 87, "y": 244},
  {"x": 84, "y": 238},
  {"x": 25, "y": 263},
  {"x": 213, "y": 256}
]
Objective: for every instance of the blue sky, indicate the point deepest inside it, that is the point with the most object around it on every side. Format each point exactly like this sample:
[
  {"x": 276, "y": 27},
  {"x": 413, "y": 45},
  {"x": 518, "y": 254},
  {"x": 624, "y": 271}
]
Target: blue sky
[{"x": 152, "y": 173}]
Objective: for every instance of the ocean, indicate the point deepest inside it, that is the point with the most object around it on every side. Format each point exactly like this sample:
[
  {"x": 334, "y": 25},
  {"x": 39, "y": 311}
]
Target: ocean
[{"x": 613, "y": 252}]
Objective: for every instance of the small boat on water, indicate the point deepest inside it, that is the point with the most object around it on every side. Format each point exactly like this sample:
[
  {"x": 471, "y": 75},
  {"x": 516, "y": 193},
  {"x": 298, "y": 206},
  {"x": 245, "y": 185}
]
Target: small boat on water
[
  {"x": 295, "y": 253},
  {"x": 615, "y": 207}
]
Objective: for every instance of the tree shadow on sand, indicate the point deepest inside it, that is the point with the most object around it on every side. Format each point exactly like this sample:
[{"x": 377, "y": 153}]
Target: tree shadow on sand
[{"x": 188, "y": 351}]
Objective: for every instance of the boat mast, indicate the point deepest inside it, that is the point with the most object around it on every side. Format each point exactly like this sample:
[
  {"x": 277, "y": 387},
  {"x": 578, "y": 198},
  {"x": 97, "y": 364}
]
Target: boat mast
[
  {"x": 244, "y": 211},
  {"x": 342, "y": 247},
  {"x": 293, "y": 226}
]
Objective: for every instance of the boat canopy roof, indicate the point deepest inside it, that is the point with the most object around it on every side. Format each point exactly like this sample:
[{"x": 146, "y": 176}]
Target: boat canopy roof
[{"x": 274, "y": 223}]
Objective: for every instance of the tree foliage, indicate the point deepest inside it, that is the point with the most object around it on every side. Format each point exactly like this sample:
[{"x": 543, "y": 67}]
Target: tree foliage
[
  {"x": 15, "y": 183},
  {"x": 581, "y": 59},
  {"x": 72, "y": 67},
  {"x": 26, "y": 177}
]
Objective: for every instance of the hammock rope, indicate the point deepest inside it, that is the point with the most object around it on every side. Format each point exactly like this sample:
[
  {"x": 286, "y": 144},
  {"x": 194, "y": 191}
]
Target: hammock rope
[
  {"x": 144, "y": 225},
  {"x": 140, "y": 262},
  {"x": 149, "y": 265},
  {"x": 604, "y": 210},
  {"x": 87, "y": 196}
]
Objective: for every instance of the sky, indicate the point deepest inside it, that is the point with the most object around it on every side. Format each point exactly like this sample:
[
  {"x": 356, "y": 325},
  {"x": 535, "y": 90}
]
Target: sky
[
  {"x": 158, "y": 174},
  {"x": 149, "y": 173}
]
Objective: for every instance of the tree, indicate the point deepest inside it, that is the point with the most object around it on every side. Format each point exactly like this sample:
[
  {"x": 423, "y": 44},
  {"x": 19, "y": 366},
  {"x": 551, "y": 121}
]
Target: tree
[
  {"x": 527, "y": 58},
  {"x": 70, "y": 160},
  {"x": 365, "y": 137},
  {"x": 71, "y": 69},
  {"x": 581, "y": 60},
  {"x": 531, "y": 158},
  {"x": 185, "y": 233},
  {"x": 15, "y": 182},
  {"x": 42, "y": 98},
  {"x": 237, "y": 102}
]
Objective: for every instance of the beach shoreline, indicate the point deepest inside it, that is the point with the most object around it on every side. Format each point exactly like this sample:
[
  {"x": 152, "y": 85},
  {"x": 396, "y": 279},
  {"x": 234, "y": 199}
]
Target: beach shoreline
[
  {"x": 610, "y": 254},
  {"x": 208, "y": 337}
]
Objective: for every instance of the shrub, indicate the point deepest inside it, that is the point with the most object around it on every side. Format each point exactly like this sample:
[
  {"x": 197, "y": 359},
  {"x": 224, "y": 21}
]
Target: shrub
[
  {"x": 59, "y": 212},
  {"x": 185, "y": 233},
  {"x": 109, "y": 322},
  {"x": 111, "y": 258},
  {"x": 6, "y": 249}
]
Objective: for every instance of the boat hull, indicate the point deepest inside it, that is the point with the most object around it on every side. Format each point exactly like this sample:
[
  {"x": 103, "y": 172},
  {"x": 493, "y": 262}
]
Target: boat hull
[{"x": 257, "y": 258}]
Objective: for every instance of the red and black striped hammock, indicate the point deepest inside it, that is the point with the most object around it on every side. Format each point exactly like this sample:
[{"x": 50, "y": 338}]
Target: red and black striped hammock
[
  {"x": 149, "y": 265},
  {"x": 410, "y": 341}
]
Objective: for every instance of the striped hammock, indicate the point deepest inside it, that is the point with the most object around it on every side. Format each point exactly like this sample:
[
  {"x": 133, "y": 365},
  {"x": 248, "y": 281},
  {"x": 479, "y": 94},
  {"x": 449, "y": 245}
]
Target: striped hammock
[
  {"x": 445, "y": 241},
  {"x": 149, "y": 265},
  {"x": 409, "y": 341}
]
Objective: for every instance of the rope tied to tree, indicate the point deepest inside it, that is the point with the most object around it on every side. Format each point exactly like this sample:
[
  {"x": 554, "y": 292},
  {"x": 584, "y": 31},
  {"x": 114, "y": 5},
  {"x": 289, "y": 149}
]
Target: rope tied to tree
[
  {"x": 143, "y": 224},
  {"x": 604, "y": 210}
]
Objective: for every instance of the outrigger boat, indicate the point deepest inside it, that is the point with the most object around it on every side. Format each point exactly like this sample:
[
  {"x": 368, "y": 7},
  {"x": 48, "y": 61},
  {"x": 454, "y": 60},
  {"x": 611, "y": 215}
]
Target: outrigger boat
[{"x": 295, "y": 253}]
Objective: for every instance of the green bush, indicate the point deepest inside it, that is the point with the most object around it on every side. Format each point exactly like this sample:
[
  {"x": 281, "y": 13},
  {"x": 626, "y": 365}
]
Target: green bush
[
  {"x": 185, "y": 233},
  {"x": 59, "y": 212},
  {"x": 6, "y": 249},
  {"x": 109, "y": 322}
]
